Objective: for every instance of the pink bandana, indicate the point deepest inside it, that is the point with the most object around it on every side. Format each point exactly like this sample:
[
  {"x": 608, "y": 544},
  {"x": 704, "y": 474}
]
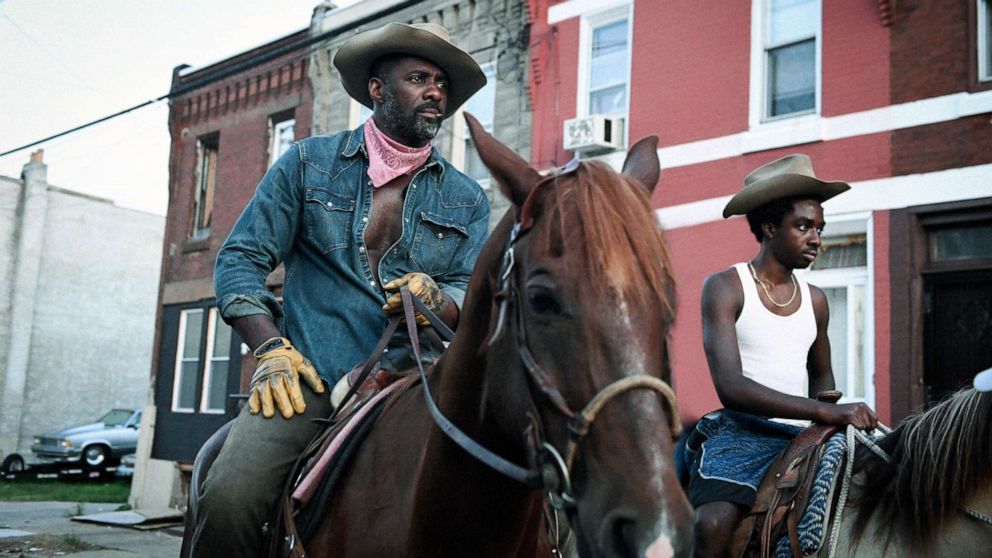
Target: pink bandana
[{"x": 388, "y": 158}]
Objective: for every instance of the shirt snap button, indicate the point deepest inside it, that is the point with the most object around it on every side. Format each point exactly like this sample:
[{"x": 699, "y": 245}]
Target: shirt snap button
[
  {"x": 361, "y": 249},
  {"x": 329, "y": 204},
  {"x": 365, "y": 219},
  {"x": 440, "y": 235}
]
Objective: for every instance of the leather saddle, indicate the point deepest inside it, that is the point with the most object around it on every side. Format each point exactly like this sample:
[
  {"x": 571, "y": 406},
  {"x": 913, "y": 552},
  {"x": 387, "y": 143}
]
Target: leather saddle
[{"x": 784, "y": 493}]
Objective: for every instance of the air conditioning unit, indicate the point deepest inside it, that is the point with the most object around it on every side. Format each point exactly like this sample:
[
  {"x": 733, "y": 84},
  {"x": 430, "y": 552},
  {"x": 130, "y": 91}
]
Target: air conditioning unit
[{"x": 593, "y": 133}]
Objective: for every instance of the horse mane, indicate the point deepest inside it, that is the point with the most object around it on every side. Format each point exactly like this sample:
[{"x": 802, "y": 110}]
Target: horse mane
[
  {"x": 939, "y": 459},
  {"x": 608, "y": 211}
]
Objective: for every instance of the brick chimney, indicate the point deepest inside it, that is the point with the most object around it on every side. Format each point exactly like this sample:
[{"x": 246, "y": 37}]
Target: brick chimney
[{"x": 38, "y": 156}]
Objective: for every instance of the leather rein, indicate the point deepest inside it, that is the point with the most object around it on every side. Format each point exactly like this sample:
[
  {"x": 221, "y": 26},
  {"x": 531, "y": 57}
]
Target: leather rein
[{"x": 551, "y": 474}]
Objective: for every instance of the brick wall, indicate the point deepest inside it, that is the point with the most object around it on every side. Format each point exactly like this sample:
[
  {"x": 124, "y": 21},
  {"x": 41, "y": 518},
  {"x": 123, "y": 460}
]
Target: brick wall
[
  {"x": 957, "y": 143},
  {"x": 929, "y": 49},
  {"x": 238, "y": 109}
]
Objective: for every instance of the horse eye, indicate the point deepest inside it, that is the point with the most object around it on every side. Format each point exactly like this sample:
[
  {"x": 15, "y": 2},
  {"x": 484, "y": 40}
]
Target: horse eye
[{"x": 542, "y": 302}]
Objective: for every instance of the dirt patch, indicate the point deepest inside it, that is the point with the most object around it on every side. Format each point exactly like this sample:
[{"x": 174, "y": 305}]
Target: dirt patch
[{"x": 44, "y": 546}]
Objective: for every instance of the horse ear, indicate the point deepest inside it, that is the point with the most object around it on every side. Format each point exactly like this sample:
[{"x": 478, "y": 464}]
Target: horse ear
[
  {"x": 511, "y": 171},
  {"x": 642, "y": 162}
]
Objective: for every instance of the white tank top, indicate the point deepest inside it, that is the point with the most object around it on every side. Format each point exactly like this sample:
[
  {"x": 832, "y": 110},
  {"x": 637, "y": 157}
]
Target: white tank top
[{"x": 774, "y": 349}]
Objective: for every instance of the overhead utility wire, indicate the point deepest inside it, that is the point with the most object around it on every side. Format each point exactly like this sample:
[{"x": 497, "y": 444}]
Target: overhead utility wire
[
  {"x": 48, "y": 52},
  {"x": 250, "y": 63}
]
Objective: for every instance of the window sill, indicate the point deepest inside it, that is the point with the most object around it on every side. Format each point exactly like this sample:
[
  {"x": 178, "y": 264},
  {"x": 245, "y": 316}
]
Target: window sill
[{"x": 782, "y": 132}]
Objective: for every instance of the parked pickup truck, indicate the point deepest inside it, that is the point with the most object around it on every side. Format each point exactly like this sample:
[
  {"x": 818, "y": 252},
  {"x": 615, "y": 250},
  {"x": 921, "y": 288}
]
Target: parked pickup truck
[{"x": 99, "y": 443}]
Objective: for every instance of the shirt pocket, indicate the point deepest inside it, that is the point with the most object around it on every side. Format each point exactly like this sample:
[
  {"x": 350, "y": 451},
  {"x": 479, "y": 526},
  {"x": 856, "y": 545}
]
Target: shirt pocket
[
  {"x": 328, "y": 219},
  {"x": 436, "y": 241}
]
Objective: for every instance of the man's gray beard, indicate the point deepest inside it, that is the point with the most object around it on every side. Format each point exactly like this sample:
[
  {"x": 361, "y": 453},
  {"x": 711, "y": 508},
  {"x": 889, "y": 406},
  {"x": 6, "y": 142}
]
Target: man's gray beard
[{"x": 411, "y": 127}]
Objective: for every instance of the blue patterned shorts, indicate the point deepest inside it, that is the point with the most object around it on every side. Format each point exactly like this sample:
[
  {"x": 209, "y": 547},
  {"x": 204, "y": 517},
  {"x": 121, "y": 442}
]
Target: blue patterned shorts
[{"x": 729, "y": 453}]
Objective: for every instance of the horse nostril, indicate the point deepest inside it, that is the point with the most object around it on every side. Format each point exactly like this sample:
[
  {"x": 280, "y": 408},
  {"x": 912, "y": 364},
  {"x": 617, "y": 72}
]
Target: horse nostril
[{"x": 619, "y": 536}]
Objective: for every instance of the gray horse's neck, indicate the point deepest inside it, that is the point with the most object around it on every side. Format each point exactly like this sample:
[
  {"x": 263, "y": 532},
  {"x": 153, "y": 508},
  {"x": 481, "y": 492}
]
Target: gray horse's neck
[{"x": 963, "y": 535}]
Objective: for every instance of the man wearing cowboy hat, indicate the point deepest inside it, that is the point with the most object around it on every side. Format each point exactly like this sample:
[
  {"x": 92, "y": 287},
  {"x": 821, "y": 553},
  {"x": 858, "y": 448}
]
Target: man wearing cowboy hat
[
  {"x": 765, "y": 337},
  {"x": 352, "y": 216}
]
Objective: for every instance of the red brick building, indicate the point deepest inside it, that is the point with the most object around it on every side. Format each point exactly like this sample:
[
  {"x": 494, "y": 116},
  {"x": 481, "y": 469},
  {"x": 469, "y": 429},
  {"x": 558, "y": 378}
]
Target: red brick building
[
  {"x": 893, "y": 97},
  {"x": 228, "y": 122}
]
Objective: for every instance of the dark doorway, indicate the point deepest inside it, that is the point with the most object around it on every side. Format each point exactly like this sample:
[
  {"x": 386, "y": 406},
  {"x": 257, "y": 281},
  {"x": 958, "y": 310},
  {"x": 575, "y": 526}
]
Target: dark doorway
[{"x": 957, "y": 330}]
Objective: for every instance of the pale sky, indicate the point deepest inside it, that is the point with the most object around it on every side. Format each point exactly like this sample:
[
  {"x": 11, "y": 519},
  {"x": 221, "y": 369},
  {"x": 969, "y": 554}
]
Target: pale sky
[{"x": 66, "y": 62}]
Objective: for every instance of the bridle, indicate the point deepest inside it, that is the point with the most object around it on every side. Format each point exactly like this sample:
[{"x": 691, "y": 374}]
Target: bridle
[{"x": 552, "y": 472}]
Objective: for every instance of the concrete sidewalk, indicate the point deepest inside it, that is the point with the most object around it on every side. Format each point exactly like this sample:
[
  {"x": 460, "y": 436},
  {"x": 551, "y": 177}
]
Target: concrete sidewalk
[{"x": 45, "y": 529}]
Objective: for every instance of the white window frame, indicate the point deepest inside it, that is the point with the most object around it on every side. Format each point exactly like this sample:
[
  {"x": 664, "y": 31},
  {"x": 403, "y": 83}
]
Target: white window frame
[
  {"x": 840, "y": 225},
  {"x": 460, "y": 133},
  {"x": 208, "y": 362},
  {"x": 983, "y": 40},
  {"x": 275, "y": 127},
  {"x": 204, "y": 358},
  {"x": 180, "y": 349},
  {"x": 758, "y": 116},
  {"x": 587, "y": 24}
]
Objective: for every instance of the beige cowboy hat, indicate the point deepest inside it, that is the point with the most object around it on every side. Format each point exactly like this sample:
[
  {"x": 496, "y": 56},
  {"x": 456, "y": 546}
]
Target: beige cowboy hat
[
  {"x": 789, "y": 176},
  {"x": 425, "y": 40}
]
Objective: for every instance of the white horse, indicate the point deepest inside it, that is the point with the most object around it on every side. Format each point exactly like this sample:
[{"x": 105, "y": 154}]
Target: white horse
[{"x": 933, "y": 497}]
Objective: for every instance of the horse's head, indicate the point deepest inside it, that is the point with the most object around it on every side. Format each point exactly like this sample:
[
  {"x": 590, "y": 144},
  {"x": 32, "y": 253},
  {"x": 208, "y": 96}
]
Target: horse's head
[{"x": 582, "y": 301}]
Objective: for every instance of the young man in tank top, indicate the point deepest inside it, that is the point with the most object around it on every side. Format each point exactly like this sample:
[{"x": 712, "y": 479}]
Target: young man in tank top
[{"x": 765, "y": 337}]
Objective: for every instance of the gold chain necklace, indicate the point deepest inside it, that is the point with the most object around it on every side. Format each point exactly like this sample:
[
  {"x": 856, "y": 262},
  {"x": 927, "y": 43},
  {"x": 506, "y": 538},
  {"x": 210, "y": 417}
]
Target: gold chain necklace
[{"x": 764, "y": 287}]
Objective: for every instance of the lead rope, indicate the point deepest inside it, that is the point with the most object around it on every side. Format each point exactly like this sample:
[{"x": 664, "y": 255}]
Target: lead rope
[
  {"x": 852, "y": 435},
  {"x": 983, "y": 517}
]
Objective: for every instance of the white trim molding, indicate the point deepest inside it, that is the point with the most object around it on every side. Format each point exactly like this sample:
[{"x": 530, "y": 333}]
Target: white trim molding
[
  {"x": 895, "y": 192},
  {"x": 576, "y": 8},
  {"x": 803, "y": 130}
]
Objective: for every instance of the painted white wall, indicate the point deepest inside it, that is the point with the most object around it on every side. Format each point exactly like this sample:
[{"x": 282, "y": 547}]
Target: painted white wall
[{"x": 93, "y": 317}]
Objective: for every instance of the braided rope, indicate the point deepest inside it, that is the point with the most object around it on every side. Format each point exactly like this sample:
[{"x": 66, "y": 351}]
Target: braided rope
[
  {"x": 983, "y": 517},
  {"x": 852, "y": 435}
]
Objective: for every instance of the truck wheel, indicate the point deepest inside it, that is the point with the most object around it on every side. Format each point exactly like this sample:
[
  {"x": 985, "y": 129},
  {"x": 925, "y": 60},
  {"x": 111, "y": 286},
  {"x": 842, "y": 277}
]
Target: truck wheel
[
  {"x": 13, "y": 463},
  {"x": 94, "y": 456}
]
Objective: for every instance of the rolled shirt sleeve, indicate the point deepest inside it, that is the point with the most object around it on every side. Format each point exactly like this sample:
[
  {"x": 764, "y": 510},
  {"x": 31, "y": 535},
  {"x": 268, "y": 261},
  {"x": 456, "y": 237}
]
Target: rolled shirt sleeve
[{"x": 261, "y": 238}]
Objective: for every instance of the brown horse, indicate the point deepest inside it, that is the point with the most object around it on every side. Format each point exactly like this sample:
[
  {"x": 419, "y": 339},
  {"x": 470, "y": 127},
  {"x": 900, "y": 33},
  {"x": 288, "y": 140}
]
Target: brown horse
[
  {"x": 933, "y": 495},
  {"x": 568, "y": 309}
]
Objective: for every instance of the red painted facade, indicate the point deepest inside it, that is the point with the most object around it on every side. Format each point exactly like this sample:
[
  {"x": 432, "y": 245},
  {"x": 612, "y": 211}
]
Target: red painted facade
[
  {"x": 689, "y": 71},
  {"x": 690, "y": 81}
]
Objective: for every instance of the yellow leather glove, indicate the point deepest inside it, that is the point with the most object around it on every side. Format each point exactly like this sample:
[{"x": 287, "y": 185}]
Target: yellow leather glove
[
  {"x": 421, "y": 286},
  {"x": 277, "y": 379}
]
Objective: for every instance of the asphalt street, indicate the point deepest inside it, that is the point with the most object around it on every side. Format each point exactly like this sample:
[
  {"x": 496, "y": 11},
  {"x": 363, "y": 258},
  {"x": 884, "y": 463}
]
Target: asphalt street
[{"x": 45, "y": 529}]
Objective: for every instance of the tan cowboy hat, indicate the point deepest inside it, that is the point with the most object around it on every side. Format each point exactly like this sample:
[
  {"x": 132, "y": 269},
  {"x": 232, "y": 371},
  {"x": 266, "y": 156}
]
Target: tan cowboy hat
[
  {"x": 789, "y": 176},
  {"x": 425, "y": 40}
]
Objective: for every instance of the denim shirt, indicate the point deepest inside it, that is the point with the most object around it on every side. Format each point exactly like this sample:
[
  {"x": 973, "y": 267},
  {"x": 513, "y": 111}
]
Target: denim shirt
[{"x": 310, "y": 211}]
